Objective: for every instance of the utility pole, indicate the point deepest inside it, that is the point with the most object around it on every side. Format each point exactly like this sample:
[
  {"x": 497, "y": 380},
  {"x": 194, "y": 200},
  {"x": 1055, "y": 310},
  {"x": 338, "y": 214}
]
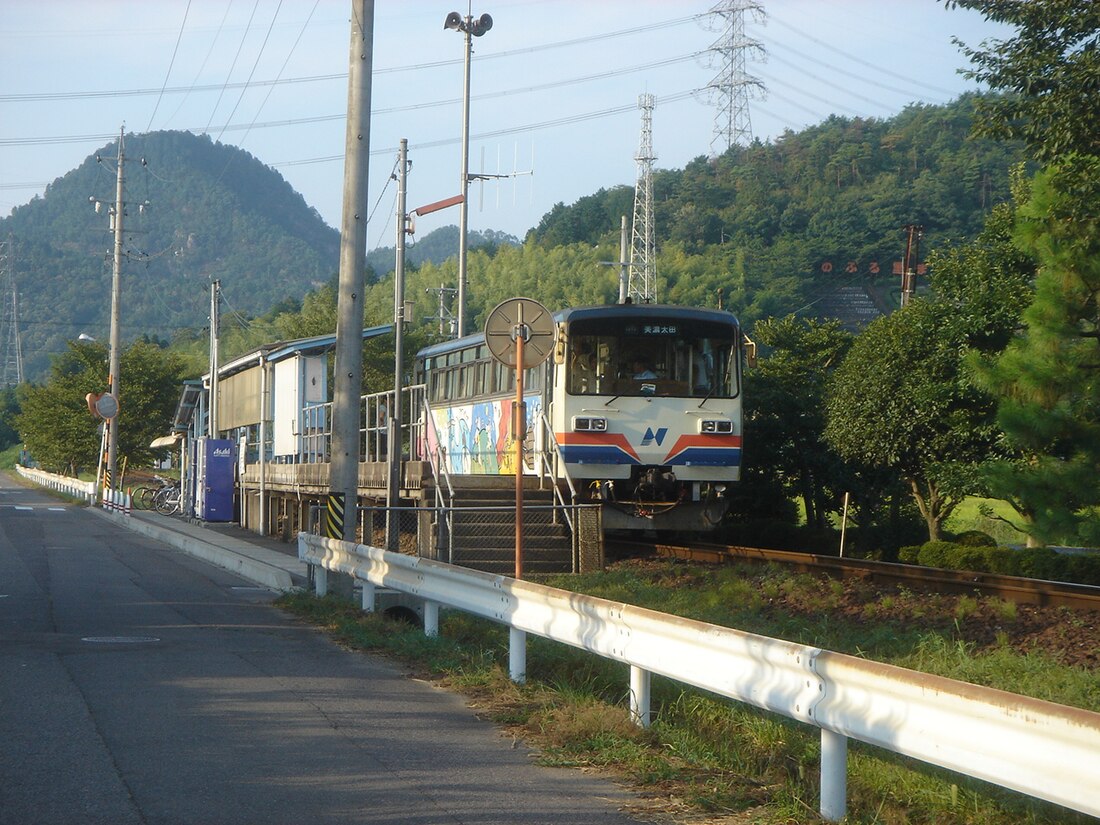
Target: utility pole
[
  {"x": 470, "y": 27},
  {"x": 393, "y": 435},
  {"x": 445, "y": 316},
  {"x": 624, "y": 260},
  {"x": 215, "y": 323},
  {"x": 909, "y": 265},
  {"x": 116, "y": 338},
  {"x": 348, "y": 370}
]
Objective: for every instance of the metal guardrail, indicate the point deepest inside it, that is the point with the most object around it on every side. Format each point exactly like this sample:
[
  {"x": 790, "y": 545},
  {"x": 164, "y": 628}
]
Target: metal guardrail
[
  {"x": 1039, "y": 748},
  {"x": 63, "y": 484}
]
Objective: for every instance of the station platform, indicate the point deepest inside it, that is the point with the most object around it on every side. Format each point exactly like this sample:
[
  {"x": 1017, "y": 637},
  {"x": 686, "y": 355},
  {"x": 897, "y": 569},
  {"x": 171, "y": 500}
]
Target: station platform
[{"x": 263, "y": 560}]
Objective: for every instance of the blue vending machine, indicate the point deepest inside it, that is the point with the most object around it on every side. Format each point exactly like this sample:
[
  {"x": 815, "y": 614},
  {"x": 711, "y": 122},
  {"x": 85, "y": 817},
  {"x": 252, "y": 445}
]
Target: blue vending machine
[{"x": 214, "y": 477}]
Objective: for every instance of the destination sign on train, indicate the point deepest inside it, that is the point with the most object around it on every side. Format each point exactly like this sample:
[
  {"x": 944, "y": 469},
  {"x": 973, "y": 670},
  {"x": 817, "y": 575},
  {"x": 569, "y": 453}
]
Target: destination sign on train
[{"x": 653, "y": 329}]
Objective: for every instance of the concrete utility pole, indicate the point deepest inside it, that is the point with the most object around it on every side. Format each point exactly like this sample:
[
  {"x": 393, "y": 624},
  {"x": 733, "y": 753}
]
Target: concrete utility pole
[
  {"x": 393, "y": 435},
  {"x": 116, "y": 336},
  {"x": 348, "y": 369},
  {"x": 215, "y": 322}
]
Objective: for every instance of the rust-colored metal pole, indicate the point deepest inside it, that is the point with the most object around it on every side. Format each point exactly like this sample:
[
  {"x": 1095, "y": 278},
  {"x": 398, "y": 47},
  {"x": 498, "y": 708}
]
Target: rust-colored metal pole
[{"x": 519, "y": 423}]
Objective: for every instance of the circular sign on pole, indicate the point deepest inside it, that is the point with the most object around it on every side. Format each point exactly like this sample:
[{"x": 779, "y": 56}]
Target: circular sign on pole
[
  {"x": 520, "y": 318},
  {"x": 102, "y": 404},
  {"x": 107, "y": 406}
]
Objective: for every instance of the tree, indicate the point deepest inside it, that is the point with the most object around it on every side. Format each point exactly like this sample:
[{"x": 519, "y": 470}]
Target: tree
[
  {"x": 1048, "y": 380},
  {"x": 55, "y": 422},
  {"x": 1049, "y": 71},
  {"x": 785, "y": 398},
  {"x": 900, "y": 400}
]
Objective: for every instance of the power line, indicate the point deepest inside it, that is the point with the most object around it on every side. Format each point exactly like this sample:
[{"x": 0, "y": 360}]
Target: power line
[
  {"x": 236, "y": 57},
  {"x": 54, "y": 96},
  {"x": 171, "y": 63},
  {"x": 205, "y": 60},
  {"x": 513, "y": 130},
  {"x": 866, "y": 63},
  {"x": 255, "y": 64}
]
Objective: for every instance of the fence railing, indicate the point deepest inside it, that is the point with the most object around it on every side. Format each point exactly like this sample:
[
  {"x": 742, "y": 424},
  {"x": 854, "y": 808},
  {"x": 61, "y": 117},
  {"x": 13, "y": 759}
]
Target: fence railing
[
  {"x": 63, "y": 484},
  {"x": 374, "y": 415},
  {"x": 1039, "y": 748}
]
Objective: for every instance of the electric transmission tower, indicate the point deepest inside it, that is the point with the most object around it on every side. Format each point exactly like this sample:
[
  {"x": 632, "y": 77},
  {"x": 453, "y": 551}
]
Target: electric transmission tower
[
  {"x": 733, "y": 87},
  {"x": 642, "y": 284},
  {"x": 11, "y": 367}
]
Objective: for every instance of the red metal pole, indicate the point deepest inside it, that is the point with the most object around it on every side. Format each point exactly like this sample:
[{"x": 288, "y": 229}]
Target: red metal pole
[{"x": 519, "y": 425}]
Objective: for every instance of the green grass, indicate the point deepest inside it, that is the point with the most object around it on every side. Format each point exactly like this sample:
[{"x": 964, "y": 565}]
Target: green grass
[
  {"x": 9, "y": 457},
  {"x": 705, "y": 754},
  {"x": 968, "y": 516}
]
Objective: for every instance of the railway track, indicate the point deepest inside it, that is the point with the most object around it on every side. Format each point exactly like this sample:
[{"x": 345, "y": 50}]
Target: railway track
[{"x": 928, "y": 579}]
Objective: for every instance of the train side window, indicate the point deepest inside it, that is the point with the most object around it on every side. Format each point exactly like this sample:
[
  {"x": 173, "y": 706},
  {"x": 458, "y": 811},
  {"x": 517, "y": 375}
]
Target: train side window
[
  {"x": 481, "y": 382},
  {"x": 507, "y": 379}
]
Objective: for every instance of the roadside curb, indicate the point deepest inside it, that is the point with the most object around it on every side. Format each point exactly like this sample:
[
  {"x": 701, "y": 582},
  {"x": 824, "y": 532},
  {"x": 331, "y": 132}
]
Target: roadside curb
[{"x": 243, "y": 565}]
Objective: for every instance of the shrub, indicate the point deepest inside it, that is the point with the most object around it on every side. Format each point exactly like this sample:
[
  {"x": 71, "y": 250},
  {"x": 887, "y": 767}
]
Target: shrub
[
  {"x": 1084, "y": 569},
  {"x": 975, "y": 538},
  {"x": 936, "y": 554},
  {"x": 909, "y": 554}
]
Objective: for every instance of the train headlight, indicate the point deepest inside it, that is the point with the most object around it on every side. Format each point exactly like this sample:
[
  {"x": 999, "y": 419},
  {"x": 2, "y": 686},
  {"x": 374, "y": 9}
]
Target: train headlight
[
  {"x": 715, "y": 426},
  {"x": 589, "y": 424}
]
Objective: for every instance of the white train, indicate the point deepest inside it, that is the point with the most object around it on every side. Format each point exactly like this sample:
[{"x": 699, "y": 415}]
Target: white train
[{"x": 639, "y": 408}]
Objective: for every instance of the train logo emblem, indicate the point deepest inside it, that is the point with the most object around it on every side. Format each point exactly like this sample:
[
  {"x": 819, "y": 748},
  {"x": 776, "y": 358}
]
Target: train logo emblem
[{"x": 651, "y": 437}]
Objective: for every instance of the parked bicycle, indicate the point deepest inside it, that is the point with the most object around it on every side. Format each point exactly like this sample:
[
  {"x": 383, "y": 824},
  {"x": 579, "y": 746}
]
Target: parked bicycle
[
  {"x": 168, "y": 500},
  {"x": 143, "y": 497}
]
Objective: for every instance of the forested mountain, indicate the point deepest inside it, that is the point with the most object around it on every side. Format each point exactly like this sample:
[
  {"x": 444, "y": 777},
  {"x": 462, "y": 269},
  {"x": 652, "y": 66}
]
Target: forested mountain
[
  {"x": 770, "y": 229},
  {"x": 434, "y": 247},
  {"x": 811, "y": 203},
  {"x": 194, "y": 210},
  {"x": 775, "y": 226}
]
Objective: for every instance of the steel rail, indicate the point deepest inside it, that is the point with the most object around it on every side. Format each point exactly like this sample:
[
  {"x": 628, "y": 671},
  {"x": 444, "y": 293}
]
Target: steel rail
[{"x": 1010, "y": 588}]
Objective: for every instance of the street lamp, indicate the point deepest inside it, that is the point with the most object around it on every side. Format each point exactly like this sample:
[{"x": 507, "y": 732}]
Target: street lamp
[{"x": 471, "y": 28}]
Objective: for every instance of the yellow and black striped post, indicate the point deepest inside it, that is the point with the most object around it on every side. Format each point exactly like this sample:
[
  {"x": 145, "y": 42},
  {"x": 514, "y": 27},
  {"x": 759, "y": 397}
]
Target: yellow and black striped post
[{"x": 334, "y": 516}]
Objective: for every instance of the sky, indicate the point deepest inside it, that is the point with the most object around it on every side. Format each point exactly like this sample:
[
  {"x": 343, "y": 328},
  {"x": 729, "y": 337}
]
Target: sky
[{"x": 554, "y": 97}]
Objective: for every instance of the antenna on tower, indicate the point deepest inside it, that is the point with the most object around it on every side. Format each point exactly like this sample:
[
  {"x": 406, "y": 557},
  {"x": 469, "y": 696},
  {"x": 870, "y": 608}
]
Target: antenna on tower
[
  {"x": 12, "y": 363},
  {"x": 481, "y": 177},
  {"x": 642, "y": 283},
  {"x": 733, "y": 87}
]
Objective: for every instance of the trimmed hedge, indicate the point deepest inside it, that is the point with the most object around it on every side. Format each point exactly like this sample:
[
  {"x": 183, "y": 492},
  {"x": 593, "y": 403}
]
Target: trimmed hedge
[{"x": 1030, "y": 562}]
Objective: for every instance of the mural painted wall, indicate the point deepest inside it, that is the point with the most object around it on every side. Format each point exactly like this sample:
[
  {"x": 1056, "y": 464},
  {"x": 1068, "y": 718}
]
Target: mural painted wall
[{"x": 475, "y": 437}]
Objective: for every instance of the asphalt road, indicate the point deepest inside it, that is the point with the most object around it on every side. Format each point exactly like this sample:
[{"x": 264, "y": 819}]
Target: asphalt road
[{"x": 140, "y": 686}]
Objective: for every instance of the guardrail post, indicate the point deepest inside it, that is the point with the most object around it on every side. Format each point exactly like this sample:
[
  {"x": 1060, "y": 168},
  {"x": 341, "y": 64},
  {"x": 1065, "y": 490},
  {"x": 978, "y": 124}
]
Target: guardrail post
[
  {"x": 368, "y": 597},
  {"x": 639, "y": 696},
  {"x": 517, "y": 655},
  {"x": 834, "y": 775},
  {"x": 431, "y": 618},
  {"x": 320, "y": 580}
]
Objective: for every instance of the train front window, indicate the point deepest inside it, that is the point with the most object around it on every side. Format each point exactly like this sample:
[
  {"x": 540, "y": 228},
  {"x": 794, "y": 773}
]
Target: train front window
[{"x": 643, "y": 362}]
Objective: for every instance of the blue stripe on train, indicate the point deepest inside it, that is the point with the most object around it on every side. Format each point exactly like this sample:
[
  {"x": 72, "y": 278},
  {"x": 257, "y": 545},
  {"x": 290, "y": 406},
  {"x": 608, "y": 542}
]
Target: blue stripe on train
[
  {"x": 595, "y": 454},
  {"x": 707, "y": 457}
]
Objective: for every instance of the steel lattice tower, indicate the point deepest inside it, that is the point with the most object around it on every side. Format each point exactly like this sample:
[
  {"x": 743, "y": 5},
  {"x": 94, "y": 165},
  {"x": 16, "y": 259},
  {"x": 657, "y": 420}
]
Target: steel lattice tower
[
  {"x": 642, "y": 284},
  {"x": 12, "y": 363},
  {"x": 733, "y": 86}
]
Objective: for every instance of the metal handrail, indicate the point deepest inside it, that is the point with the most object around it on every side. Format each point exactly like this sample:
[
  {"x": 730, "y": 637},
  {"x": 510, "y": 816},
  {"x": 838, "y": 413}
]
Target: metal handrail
[
  {"x": 549, "y": 469},
  {"x": 444, "y": 503}
]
